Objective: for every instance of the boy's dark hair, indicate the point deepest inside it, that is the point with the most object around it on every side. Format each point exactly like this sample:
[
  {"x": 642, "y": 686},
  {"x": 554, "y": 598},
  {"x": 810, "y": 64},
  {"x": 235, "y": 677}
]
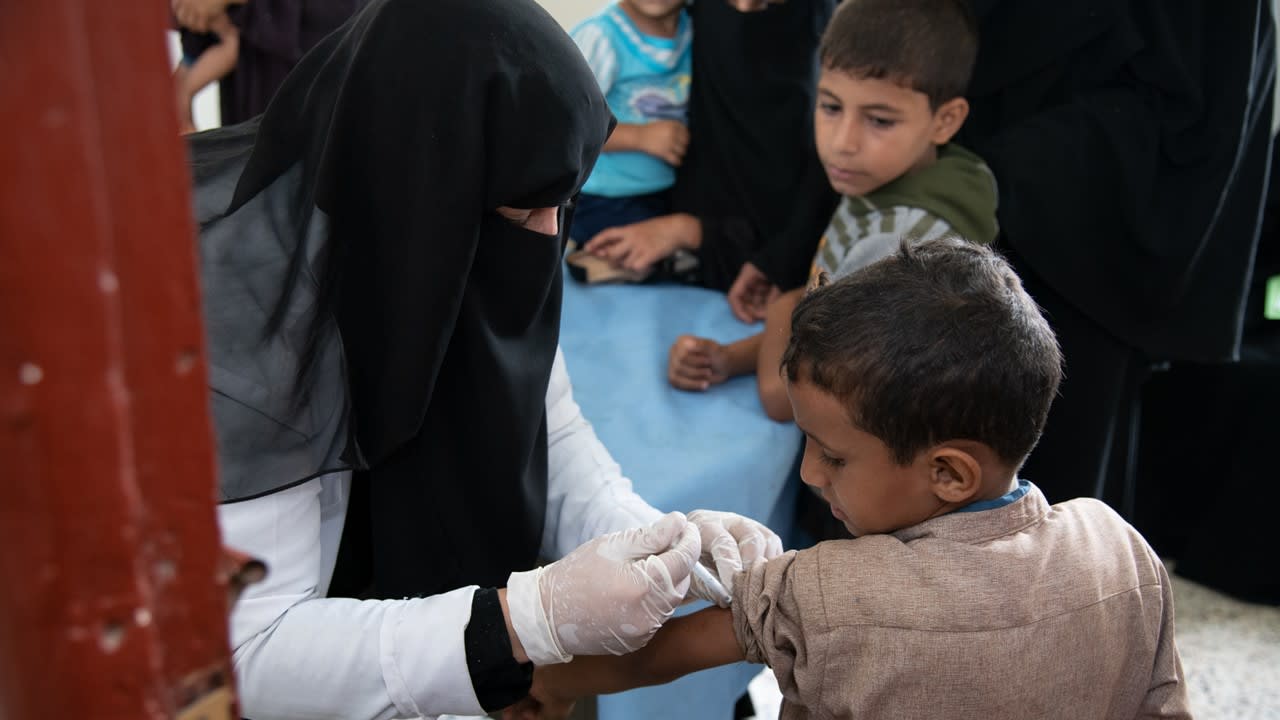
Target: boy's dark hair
[
  {"x": 937, "y": 342},
  {"x": 927, "y": 45}
]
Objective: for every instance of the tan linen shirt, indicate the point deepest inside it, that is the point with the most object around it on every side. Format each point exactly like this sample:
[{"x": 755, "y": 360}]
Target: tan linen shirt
[{"x": 1022, "y": 611}]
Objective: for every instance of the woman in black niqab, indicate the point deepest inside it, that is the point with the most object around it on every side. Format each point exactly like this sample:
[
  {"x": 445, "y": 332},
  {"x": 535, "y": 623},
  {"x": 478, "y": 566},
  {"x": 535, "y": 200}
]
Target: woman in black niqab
[{"x": 368, "y": 308}]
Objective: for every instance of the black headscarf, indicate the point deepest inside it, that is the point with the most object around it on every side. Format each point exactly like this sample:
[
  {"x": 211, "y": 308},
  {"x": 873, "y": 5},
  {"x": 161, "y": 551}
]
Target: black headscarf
[{"x": 379, "y": 164}]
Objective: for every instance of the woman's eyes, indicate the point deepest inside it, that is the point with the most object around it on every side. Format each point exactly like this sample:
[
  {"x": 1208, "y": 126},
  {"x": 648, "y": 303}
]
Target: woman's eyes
[{"x": 519, "y": 218}]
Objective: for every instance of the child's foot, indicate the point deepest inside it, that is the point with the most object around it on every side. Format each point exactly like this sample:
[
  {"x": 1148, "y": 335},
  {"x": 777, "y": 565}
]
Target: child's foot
[{"x": 696, "y": 363}]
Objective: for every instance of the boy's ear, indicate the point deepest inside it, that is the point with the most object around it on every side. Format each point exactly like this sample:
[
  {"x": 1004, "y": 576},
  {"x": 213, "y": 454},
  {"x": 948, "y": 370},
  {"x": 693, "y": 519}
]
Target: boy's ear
[
  {"x": 948, "y": 118},
  {"x": 954, "y": 475}
]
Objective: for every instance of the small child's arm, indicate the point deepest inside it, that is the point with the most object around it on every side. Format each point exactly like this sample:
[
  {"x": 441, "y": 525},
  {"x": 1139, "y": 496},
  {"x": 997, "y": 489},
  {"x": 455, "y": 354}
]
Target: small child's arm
[
  {"x": 214, "y": 63},
  {"x": 773, "y": 343},
  {"x": 667, "y": 140},
  {"x": 684, "y": 645},
  {"x": 219, "y": 60}
]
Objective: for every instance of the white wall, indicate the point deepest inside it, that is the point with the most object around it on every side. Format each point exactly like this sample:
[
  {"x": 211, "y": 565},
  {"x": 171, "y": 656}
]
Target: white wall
[{"x": 569, "y": 12}]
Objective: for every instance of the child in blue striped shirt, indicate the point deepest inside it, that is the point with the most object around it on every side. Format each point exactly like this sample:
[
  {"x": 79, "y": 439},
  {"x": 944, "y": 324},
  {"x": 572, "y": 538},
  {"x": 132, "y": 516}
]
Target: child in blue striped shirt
[{"x": 640, "y": 53}]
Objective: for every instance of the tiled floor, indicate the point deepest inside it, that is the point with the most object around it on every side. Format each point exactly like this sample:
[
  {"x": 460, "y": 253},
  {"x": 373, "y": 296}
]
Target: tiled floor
[{"x": 1230, "y": 654}]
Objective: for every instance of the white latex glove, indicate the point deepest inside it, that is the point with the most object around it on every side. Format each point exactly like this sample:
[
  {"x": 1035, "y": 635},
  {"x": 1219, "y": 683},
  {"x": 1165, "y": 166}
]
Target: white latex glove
[
  {"x": 731, "y": 543},
  {"x": 607, "y": 597}
]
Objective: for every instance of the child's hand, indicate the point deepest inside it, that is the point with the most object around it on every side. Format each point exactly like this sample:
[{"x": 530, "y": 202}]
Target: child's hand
[
  {"x": 751, "y": 294},
  {"x": 667, "y": 140},
  {"x": 638, "y": 246},
  {"x": 697, "y": 363}
]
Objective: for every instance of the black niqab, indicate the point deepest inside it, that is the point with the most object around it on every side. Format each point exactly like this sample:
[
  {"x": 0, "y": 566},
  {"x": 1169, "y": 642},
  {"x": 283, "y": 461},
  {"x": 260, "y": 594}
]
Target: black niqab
[{"x": 400, "y": 134}]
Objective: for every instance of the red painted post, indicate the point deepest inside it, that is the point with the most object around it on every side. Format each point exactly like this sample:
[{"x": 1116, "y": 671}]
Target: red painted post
[{"x": 109, "y": 549}]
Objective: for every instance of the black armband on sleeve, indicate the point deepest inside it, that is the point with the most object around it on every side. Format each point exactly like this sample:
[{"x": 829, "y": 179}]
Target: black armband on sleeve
[{"x": 496, "y": 677}]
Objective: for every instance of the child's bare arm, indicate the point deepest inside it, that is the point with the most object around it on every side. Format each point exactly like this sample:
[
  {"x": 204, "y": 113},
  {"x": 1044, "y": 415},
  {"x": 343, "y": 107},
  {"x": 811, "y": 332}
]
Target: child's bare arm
[
  {"x": 667, "y": 140},
  {"x": 625, "y": 137},
  {"x": 684, "y": 645},
  {"x": 773, "y": 342},
  {"x": 216, "y": 62},
  {"x": 225, "y": 29},
  {"x": 742, "y": 355}
]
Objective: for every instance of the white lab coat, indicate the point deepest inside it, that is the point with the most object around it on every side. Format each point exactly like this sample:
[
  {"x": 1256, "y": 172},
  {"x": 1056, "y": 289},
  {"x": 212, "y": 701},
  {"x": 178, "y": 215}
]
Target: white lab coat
[{"x": 299, "y": 654}]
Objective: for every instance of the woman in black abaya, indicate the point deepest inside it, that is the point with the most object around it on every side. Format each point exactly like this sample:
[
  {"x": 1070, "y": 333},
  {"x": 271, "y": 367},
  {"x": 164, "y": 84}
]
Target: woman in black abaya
[{"x": 380, "y": 259}]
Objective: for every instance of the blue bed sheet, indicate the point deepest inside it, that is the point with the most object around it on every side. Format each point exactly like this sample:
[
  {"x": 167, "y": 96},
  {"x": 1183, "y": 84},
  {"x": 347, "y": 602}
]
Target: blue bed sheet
[{"x": 682, "y": 450}]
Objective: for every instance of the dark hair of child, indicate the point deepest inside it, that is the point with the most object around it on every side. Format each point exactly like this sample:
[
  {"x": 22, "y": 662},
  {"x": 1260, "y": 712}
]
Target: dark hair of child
[
  {"x": 937, "y": 342},
  {"x": 927, "y": 45}
]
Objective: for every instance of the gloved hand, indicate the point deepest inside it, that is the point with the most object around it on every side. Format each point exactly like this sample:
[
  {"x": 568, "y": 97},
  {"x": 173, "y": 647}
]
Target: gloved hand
[
  {"x": 730, "y": 543},
  {"x": 607, "y": 597}
]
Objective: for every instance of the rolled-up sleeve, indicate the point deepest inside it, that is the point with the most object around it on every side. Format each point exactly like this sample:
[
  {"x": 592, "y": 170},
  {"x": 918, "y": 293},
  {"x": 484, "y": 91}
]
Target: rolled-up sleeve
[{"x": 774, "y": 627}]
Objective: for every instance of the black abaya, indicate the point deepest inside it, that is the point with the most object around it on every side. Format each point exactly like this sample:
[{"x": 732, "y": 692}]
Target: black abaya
[
  {"x": 1130, "y": 140},
  {"x": 752, "y": 174}
]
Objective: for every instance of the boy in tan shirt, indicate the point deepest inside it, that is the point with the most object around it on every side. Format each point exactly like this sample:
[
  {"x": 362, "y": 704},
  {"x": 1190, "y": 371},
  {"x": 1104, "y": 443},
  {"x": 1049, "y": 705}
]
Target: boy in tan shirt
[{"x": 921, "y": 383}]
